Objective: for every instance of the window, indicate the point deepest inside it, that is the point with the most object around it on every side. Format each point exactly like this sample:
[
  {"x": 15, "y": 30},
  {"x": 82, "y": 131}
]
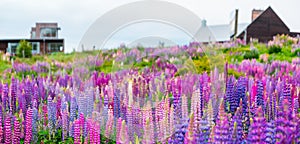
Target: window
[
  {"x": 55, "y": 47},
  {"x": 12, "y": 48},
  {"x": 48, "y": 33},
  {"x": 35, "y": 47},
  {"x": 33, "y": 34}
]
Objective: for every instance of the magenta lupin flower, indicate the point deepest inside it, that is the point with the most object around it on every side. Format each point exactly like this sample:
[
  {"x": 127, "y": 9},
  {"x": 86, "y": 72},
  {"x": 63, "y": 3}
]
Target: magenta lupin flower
[
  {"x": 1, "y": 129},
  {"x": 7, "y": 126},
  {"x": 91, "y": 130},
  {"x": 28, "y": 134},
  {"x": 17, "y": 132},
  {"x": 77, "y": 132}
]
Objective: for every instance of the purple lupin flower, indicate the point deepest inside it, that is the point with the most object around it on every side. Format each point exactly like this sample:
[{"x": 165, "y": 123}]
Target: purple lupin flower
[
  {"x": 257, "y": 128},
  {"x": 237, "y": 133},
  {"x": 285, "y": 124},
  {"x": 5, "y": 99},
  {"x": 17, "y": 132},
  {"x": 229, "y": 99},
  {"x": 35, "y": 118},
  {"x": 221, "y": 130},
  {"x": 36, "y": 95},
  {"x": 260, "y": 95},
  {"x": 28, "y": 134},
  {"x": 270, "y": 132},
  {"x": 13, "y": 94},
  {"x": 7, "y": 127},
  {"x": 65, "y": 124},
  {"x": 28, "y": 92},
  {"x": 51, "y": 109}
]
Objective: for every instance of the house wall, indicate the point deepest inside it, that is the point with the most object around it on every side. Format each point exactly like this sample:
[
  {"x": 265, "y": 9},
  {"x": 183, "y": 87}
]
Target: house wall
[{"x": 3, "y": 46}]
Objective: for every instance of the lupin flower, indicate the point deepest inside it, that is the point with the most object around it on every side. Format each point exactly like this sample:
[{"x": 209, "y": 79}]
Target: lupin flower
[
  {"x": 221, "y": 131},
  {"x": 257, "y": 128},
  {"x": 77, "y": 132},
  {"x": 109, "y": 123},
  {"x": 260, "y": 94},
  {"x": 237, "y": 133},
  {"x": 230, "y": 100},
  {"x": 270, "y": 132},
  {"x": 147, "y": 132},
  {"x": 35, "y": 118},
  {"x": 28, "y": 92},
  {"x": 65, "y": 124},
  {"x": 5, "y": 99},
  {"x": 16, "y": 132},
  {"x": 189, "y": 136},
  {"x": 13, "y": 94},
  {"x": 28, "y": 134},
  {"x": 124, "y": 134},
  {"x": 285, "y": 124},
  {"x": 1, "y": 130},
  {"x": 7, "y": 126}
]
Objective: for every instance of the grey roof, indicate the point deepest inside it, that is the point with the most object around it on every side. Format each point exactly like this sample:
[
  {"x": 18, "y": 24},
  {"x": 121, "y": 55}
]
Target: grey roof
[{"x": 215, "y": 33}]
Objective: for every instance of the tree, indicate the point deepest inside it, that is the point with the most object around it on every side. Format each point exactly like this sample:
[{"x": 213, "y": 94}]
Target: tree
[{"x": 24, "y": 49}]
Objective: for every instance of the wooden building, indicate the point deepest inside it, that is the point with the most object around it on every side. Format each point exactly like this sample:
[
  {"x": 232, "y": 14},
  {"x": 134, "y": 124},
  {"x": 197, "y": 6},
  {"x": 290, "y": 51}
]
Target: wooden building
[{"x": 264, "y": 26}]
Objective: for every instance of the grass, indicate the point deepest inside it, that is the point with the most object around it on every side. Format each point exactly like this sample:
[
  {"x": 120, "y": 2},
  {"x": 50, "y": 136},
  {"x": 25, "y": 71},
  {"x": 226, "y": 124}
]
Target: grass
[{"x": 4, "y": 65}]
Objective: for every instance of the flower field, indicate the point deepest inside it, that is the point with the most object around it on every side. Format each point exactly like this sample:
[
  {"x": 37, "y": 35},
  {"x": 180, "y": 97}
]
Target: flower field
[{"x": 186, "y": 94}]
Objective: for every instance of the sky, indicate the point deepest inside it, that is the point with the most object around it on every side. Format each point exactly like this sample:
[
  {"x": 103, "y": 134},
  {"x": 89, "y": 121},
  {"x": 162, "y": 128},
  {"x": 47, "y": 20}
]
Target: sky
[{"x": 76, "y": 16}]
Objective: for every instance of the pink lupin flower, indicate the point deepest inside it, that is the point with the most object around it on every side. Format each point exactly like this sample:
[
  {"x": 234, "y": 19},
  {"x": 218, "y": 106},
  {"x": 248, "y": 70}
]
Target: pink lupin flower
[
  {"x": 16, "y": 133},
  {"x": 97, "y": 133},
  {"x": 119, "y": 125},
  {"x": 7, "y": 126},
  {"x": 109, "y": 123},
  {"x": 1, "y": 130},
  {"x": 91, "y": 130},
  {"x": 81, "y": 122},
  {"x": 189, "y": 136},
  {"x": 77, "y": 132},
  {"x": 28, "y": 134}
]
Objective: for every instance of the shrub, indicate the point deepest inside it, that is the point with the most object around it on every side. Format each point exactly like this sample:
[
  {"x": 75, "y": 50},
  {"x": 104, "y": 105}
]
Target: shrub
[
  {"x": 202, "y": 65},
  {"x": 253, "y": 54},
  {"x": 274, "y": 49},
  {"x": 26, "y": 47},
  {"x": 297, "y": 52}
]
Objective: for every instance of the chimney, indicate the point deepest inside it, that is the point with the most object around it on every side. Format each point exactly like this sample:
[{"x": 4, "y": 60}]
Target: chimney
[
  {"x": 203, "y": 23},
  {"x": 256, "y": 13}
]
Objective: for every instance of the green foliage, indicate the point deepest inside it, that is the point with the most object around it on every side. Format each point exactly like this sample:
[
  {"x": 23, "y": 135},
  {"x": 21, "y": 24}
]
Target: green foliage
[
  {"x": 235, "y": 73},
  {"x": 253, "y": 54},
  {"x": 26, "y": 47},
  {"x": 143, "y": 64},
  {"x": 274, "y": 49},
  {"x": 4, "y": 65},
  {"x": 262, "y": 48},
  {"x": 202, "y": 64},
  {"x": 296, "y": 52},
  {"x": 106, "y": 67}
]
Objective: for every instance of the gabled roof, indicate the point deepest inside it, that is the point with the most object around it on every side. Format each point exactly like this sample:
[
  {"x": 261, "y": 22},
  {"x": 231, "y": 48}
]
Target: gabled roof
[{"x": 269, "y": 9}]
